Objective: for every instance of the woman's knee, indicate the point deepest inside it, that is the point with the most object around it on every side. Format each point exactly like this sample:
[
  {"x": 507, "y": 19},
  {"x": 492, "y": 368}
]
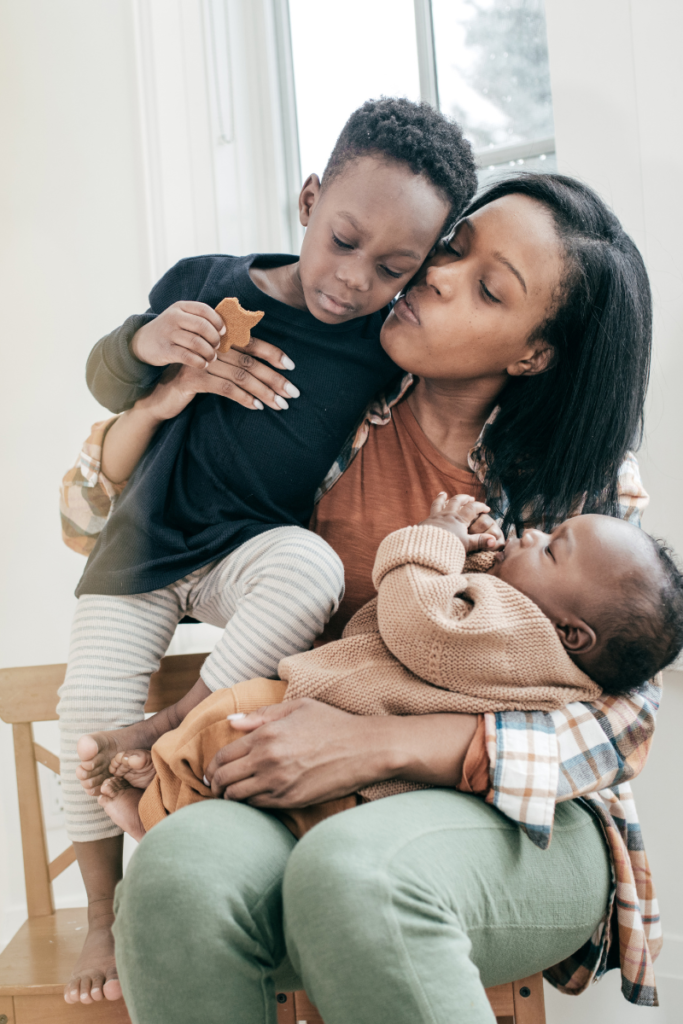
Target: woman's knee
[
  {"x": 207, "y": 864},
  {"x": 332, "y": 879}
]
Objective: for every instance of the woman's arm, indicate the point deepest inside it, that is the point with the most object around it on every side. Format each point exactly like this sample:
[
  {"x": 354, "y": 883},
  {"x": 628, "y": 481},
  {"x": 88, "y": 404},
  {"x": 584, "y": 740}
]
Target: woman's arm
[{"x": 303, "y": 752}]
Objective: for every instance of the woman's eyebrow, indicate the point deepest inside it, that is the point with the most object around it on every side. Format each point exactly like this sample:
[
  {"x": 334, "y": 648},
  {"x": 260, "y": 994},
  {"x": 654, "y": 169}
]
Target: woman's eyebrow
[{"x": 506, "y": 262}]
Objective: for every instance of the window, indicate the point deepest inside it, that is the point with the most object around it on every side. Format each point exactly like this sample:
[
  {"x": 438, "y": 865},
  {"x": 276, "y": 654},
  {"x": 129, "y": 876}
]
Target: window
[
  {"x": 493, "y": 77},
  {"x": 484, "y": 62}
]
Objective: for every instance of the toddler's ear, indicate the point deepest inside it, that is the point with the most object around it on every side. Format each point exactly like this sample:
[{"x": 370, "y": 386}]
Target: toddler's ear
[{"x": 576, "y": 636}]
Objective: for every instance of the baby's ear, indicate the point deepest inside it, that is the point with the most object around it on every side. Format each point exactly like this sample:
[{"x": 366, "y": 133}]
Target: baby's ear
[{"x": 576, "y": 636}]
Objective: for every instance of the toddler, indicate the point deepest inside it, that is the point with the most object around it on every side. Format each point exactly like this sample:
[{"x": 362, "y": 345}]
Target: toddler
[
  {"x": 212, "y": 521},
  {"x": 595, "y": 606}
]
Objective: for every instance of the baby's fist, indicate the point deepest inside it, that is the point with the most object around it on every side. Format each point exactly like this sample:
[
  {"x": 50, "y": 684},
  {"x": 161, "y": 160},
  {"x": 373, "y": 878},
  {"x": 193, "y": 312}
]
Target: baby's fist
[{"x": 458, "y": 515}]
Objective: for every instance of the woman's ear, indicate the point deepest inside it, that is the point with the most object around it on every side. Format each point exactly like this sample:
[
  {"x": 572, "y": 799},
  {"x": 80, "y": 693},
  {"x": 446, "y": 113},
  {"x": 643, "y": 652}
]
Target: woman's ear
[
  {"x": 539, "y": 359},
  {"x": 308, "y": 197},
  {"x": 576, "y": 636}
]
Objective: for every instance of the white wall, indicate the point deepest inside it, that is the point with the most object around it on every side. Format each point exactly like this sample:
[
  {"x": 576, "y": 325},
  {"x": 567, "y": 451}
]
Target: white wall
[
  {"x": 118, "y": 159},
  {"x": 617, "y": 82}
]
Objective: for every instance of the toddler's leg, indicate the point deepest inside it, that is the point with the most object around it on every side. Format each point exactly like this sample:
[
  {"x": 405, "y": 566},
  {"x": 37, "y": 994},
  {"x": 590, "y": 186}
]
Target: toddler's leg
[
  {"x": 116, "y": 644},
  {"x": 274, "y": 596}
]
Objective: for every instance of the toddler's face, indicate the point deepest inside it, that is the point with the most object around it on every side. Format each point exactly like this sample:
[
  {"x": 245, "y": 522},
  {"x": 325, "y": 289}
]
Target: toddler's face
[
  {"x": 367, "y": 233},
  {"x": 573, "y": 572}
]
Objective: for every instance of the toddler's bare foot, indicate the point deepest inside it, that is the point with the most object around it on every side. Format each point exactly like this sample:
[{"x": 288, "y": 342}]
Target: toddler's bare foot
[
  {"x": 135, "y": 766},
  {"x": 97, "y": 751},
  {"x": 94, "y": 977},
  {"x": 120, "y": 801}
]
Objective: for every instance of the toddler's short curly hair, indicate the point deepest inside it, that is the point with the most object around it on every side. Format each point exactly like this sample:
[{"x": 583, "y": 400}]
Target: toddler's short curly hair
[{"x": 415, "y": 134}]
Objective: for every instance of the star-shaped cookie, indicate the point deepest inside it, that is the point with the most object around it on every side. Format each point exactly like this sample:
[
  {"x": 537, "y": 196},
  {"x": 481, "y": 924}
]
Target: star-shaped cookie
[{"x": 238, "y": 323}]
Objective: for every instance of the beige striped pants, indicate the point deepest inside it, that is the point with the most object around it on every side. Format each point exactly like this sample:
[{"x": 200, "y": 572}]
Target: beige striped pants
[{"x": 272, "y": 597}]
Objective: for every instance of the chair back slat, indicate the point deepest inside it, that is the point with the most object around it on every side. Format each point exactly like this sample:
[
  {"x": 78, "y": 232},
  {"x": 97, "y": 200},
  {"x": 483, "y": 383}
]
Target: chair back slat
[
  {"x": 33, "y": 839},
  {"x": 29, "y": 694}
]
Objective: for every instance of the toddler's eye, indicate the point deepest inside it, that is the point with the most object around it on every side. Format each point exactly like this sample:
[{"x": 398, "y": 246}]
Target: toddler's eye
[
  {"x": 394, "y": 273},
  {"x": 338, "y": 242}
]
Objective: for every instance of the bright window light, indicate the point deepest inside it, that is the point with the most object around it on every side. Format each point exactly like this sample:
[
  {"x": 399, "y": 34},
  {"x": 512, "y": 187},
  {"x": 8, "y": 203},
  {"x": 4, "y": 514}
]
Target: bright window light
[{"x": 343, "y": 55}]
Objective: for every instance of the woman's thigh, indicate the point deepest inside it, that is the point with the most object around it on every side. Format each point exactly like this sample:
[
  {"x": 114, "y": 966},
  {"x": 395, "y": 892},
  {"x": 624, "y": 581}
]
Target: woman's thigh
[
  {"x": 198, "y": 927},
  {"x": 403, "y": 909}
]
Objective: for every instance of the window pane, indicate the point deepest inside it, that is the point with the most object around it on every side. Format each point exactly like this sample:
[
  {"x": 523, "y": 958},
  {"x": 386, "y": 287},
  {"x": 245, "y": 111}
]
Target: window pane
[
  {"x": 492, "y": 66},
  {"x": 343, "y": 55},
  {"x": 545, "y": 163}
]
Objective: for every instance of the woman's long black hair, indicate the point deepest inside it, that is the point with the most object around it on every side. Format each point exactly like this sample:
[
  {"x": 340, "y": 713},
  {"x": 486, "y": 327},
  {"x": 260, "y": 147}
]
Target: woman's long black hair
[{"x": 561, "y": 436}]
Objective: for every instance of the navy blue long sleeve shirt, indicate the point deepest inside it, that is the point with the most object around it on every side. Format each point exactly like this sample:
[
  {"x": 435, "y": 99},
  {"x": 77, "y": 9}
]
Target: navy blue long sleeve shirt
[{"x": 219, "y": 474}]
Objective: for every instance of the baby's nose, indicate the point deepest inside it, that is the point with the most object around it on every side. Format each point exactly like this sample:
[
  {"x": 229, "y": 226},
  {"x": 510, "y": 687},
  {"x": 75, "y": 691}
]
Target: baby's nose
[{"x": 530, "y": 537}]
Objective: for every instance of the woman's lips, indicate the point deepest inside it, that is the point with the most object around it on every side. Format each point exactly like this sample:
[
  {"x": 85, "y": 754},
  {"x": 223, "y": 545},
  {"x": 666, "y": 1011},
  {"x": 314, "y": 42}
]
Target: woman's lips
[{"x": 405, "y": 309}]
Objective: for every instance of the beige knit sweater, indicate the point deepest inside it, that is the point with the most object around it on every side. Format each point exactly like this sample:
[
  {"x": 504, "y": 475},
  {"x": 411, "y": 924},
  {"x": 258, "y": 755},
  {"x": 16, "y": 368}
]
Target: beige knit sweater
[{"x": 438, "y": 639}]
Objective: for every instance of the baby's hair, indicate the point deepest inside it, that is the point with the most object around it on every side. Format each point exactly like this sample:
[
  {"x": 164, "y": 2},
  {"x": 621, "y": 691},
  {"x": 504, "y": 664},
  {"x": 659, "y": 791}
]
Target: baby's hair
[
  {"x": 415, "y": 134},
  {"x": 644, "y": 627}
]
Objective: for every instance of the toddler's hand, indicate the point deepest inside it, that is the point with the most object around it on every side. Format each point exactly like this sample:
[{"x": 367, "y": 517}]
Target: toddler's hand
[
  {"x": 186, "y": 332},
  {"x": 458, "y": 515},
  {"x": 187, "y": 336}
]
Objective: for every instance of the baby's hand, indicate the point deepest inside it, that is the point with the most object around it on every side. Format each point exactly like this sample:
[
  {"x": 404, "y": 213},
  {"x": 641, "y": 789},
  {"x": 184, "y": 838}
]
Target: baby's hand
[{"x": 459, "y": 515}]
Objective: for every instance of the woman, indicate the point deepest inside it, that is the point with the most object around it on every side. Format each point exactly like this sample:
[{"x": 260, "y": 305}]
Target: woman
[{"x": 538, "y": 311}]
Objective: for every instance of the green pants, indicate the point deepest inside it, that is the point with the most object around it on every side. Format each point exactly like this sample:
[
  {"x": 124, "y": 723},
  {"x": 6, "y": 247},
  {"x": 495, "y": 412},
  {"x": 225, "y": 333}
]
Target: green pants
[{"x": 396, "y": 912}]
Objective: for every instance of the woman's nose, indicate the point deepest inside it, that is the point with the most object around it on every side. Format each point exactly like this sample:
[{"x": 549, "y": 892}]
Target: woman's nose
[{"x": 442, "y": 279}]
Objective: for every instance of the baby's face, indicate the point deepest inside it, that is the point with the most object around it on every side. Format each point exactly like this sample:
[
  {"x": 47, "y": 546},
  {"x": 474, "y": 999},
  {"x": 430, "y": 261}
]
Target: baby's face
[
  {"x": 367, "y": 234},
  {"x": 572, "y": 572}
]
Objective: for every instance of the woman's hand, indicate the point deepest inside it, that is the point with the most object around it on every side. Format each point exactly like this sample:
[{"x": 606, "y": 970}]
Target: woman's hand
[
  {"x": 188, "y": 334},
  {"x": 303, "y": 752}
]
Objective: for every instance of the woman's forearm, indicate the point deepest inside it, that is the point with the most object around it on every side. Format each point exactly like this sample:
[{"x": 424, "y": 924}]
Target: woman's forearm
[
  {"x": 424, "y": 748},
  {"x": 127, "y": 440}
]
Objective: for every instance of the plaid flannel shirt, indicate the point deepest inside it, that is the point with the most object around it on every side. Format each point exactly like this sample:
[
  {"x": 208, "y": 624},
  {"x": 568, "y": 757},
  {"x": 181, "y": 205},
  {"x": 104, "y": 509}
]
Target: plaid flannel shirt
[{"x": 584, "y": 751}]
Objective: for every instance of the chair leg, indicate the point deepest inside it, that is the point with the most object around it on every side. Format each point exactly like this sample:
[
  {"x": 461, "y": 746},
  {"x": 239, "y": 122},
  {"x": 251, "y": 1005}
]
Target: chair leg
[{"x": 529, "y": 1001}]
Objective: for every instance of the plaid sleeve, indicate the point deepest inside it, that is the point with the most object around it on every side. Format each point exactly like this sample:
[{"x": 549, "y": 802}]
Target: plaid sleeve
[
  {"x": 539, "y": 758},
  {"x": 86, "y": 496}
]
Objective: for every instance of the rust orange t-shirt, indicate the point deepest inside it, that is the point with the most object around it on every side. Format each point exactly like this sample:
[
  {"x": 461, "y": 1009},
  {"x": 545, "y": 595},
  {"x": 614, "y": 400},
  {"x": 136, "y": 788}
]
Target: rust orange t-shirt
[{"x": 390, "y": 484}]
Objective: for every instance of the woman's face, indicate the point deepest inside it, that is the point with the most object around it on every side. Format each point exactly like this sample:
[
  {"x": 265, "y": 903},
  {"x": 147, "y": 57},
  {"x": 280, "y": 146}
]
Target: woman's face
[{"x": 474, "y": 305}]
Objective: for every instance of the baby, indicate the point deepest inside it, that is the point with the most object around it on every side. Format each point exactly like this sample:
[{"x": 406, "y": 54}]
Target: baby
[{"x": 595, "y": 606}]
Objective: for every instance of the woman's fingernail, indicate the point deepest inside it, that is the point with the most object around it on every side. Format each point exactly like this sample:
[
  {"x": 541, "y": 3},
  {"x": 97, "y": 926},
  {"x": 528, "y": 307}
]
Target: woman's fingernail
[
  {"x": 234, "y": 718},
  {"x": 292, "y": 391},
  {"x": 222, "y": 330},
  {"x": 287, "y": 363},
  {"x": 257, "y": 404},
  {"x": 281, "y": 402},
  {"x": 206, "y": 782}
]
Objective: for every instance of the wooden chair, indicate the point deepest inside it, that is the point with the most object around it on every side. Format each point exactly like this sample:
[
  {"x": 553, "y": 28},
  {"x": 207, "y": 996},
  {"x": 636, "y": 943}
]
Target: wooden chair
[{"x": 37, "y": 963}]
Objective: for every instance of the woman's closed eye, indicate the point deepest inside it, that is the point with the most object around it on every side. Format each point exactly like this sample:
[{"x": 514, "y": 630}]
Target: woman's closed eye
[
  {"x": 449, "y": 247},
  {"x": 487, "y": 294}
]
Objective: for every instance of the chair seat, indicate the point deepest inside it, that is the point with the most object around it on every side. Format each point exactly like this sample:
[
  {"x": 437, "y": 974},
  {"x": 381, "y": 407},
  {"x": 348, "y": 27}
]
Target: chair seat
[{"x": 35, "y": 967}]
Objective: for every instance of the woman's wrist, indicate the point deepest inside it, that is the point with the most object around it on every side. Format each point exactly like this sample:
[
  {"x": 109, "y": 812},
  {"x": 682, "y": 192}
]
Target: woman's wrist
[{"x": 430, "y": 749}]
